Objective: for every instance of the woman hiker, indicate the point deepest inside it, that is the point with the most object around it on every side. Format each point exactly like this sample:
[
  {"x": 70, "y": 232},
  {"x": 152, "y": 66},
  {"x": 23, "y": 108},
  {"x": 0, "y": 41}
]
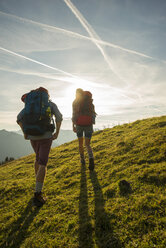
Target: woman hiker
[
  {"x": 40, "y": 136},
  {"x": 83, "y": 118}
]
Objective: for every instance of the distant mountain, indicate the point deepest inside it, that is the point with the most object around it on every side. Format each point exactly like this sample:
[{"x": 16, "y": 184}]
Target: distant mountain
[
  {"x": 13, "y": 144},
  {"x": 64, "y": 136},
  {"x": 19, "y": 132}
]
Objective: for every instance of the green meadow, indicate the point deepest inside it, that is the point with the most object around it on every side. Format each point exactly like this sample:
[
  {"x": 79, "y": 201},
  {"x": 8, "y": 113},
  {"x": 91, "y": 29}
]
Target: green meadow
[{"x": 89, "y": 210}]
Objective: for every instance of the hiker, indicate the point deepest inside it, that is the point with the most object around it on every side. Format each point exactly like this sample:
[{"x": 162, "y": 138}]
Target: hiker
[
  {"x": 37, "y": 123},
  {"x": 83, "y": 118}
]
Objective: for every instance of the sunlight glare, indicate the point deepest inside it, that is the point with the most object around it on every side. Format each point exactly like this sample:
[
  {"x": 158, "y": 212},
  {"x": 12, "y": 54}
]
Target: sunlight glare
[{"x": 69, "y": 92}]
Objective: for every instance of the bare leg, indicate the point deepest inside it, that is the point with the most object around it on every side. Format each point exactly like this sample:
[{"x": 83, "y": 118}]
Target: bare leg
[
  {"x": 36, "y": 167},
  {"x": 90, "y": 154},
  {"x": 41, "y": 149},
  {"x": 81, "y": 149},
  {"x": 88, "y": 147},
  {"x": 39, "y": 200},
  {"x": 41, "y": 173}
]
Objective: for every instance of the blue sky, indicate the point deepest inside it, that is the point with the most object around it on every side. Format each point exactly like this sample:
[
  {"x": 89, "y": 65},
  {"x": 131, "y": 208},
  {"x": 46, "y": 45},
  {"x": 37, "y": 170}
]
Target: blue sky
[{"x": 114, "y": 48}]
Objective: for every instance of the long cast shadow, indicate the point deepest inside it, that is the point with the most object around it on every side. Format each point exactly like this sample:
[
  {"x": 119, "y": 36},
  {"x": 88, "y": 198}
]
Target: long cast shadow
[
  {"x": 105, "y": 237},
  {"x": 19, "y": 228},
  {"x": 85, "y": 227}
]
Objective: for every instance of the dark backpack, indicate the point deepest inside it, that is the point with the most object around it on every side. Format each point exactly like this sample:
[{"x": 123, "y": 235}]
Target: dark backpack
[
  {"x": 37, "y": 113},
  {"x": 85, "y": 110}
]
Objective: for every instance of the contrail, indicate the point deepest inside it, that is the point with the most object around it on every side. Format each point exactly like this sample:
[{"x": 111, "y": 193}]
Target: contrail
[
  {"x": 89, "y": 29},
  {"x": 77, "y": 35},
  {"x": 73, "y": 79},
  {"x": 94, "y": 38},
  {"x": 92, "y": 34},
  {"x": 121, "y": 92},
  {"x": 72, "y": 76},
  {"x": 57, "y": 29},
  {"x": 45, "y": 65},
  {"x": 32, "y": 73},
  {"x": 36, "y": 62}
]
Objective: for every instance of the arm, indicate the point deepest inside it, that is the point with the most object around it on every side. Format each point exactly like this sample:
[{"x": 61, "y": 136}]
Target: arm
[
  {"x": 55, "y": 135},
  {"x": 74, "y": 117},
  {"x": 21, "y": 126},
  {"x": 19, "y": 121},
  {"x": 93, "y": 114},
  {"x": 74, "y": 127},
  {"x": 55, "y": 111}
]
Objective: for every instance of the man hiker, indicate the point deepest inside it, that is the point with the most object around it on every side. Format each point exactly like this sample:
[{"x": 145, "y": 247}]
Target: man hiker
[
  {"x": 37, "y": 123},
  {"x": 83, "y": 118}
]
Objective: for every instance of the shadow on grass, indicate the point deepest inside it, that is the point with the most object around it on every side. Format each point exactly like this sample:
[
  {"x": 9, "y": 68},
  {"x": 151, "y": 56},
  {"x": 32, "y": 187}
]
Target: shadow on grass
[
  {"x": 85, "y": 227},
  {"x": 105, "y": 237},
  {"x": 19, "y": 229}
]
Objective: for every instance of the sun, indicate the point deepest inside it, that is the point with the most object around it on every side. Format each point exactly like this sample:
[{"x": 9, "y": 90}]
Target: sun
[{"x": 69, "y": 91}]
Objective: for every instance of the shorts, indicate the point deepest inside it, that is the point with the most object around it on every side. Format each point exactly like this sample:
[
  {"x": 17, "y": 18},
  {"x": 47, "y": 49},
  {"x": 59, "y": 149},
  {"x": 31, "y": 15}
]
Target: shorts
[
  {"x": 41, "y": 149},
  {"x": 86, "y": 130}
]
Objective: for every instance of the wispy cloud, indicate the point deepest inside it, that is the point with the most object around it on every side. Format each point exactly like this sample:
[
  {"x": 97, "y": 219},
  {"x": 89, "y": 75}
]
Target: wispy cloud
[
  {"x": 25, "y": 36},
  {"x": 97, "y": 40},
  {"x": 70, "y": 77},
  {"x": 34, "y": 54},
  {"x": 60, "y": 75},
  {"x": 66, "y": 32},
  {"x": 36, "y": 62},
  {"x": 93, "y": 35}
]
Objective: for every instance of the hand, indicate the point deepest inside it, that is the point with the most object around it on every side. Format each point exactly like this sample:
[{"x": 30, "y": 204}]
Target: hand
[
  {"x": 74, "y": 129},
  {"x": 55, "y": 136}
]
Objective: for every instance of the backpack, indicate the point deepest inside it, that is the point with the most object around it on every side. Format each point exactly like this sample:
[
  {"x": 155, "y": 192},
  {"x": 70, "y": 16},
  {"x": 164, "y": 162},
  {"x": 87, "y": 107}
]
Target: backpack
[
  {"x": 85, "y": 110},
  {"x": 37, "y": 113}
]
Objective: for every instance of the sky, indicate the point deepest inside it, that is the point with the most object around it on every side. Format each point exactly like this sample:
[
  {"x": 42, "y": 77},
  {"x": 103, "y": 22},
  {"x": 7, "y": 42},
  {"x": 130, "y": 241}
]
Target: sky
[{"x": 114, "y": 48}]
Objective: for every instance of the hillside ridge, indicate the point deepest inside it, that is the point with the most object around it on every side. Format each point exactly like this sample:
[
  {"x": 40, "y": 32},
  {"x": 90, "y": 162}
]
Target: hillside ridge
[{"x": 86, "y": 209}]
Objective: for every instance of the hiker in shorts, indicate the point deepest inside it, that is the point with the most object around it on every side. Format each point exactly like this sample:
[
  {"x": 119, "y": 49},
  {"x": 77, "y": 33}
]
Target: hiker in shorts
[
  {"x": 83, "y": 118},
  {"x": 39, "y": 129}
]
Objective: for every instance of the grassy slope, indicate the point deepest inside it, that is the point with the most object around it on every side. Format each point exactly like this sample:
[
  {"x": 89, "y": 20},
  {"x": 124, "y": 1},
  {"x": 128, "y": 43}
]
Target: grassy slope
[{"x": 86, "y": 209}]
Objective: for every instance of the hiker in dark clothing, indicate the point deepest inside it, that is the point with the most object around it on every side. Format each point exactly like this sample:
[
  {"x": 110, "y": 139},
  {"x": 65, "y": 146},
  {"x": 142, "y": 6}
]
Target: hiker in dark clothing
[
  {"x": 83, "y": 118},
  {"x": 41, "y": 144}
]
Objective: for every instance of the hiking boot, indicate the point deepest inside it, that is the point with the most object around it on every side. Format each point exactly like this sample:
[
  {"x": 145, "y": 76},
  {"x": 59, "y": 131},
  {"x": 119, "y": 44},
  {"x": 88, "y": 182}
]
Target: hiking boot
[
  {"x": 38, "y": 199},
  {"x": 82, "y": 161},
  {"x": 91, "y": 164}
]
